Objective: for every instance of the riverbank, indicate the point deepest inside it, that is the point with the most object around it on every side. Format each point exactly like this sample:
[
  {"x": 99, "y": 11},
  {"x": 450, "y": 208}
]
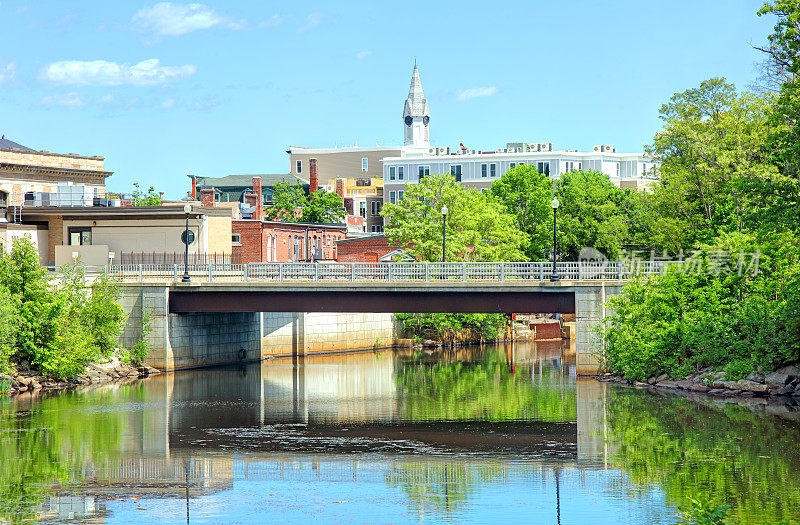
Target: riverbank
[
  {"x": 784, "y": 382},
  {"x": 110, "y": 371}
]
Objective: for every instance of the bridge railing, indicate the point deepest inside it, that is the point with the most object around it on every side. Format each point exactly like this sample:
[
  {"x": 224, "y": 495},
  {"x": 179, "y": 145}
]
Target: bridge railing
[{"x": 379, "y": 272}]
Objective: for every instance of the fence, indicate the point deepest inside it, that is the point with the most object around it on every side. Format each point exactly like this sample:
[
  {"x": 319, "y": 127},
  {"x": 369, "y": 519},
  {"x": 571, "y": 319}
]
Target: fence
[
  {"x": 150, "y": 258},
  {"x": 382, "y": 272}
]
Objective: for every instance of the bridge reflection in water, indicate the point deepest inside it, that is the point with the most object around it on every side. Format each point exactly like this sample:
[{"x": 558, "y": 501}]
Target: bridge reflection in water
[{"x": 435, "y": 428}]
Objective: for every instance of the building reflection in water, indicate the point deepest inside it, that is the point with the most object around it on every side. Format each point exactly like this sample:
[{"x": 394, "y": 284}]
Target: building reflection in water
[{"x": 439, "y": 427}]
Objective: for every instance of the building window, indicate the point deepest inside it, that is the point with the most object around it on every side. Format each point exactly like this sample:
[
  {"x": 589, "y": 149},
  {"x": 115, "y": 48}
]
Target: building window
[
  {"x": 299, "y": 166},
  {"x": 376, "y": 229},
  {"x": 364, "y": 163},
  {"x": 512, "y": 165},
  {"x": 274, "y": 247},
  {"x": 493, "y": 170},
  {"x": 362, "y": 209},
  {"x": 424, "y": 171},
  {"x": 80, "y": 236},
  {"x": 455, "y": 171},
  {"x": 376, "y": 207},
  {"x": 399, "y": 172},
  {"x": 392, "y": 197},
  {"x": 400, "y": 195},
  {"x": 391, "y": 173},
  {"x": 483, "y": 170},
  {"x": 236, "y": 239},
  {"x": 617, "y": 169},
  {"x": 543, "y": 168}
]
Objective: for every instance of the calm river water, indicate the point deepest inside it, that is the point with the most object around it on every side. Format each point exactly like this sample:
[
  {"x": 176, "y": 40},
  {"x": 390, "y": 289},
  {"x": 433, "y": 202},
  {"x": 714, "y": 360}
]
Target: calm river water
[{"x": 492, "y": 435}]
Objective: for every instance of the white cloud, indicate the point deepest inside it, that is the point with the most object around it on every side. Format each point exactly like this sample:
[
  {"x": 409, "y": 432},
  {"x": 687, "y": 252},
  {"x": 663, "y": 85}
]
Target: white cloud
[
  {"x": 7, "y": 72},
  {"x": 103, "y": 73},
  {"x": 312, "y": 21},
  {"x": 467, "y": 94},
  {"x": 363, "y": 54},
  {"x": 168, "y": 19},
  {"x": 272, "y": 21},
  {"x": 168, "y": 104},
  {"x": 65, "y": 100},
  {"x": 107, "y": 99}
]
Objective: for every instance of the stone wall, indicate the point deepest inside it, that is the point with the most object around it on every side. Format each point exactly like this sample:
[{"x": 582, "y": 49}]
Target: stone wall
[
  {"x": 590, "y": 309},
  {"x": 214, "y": 338}
]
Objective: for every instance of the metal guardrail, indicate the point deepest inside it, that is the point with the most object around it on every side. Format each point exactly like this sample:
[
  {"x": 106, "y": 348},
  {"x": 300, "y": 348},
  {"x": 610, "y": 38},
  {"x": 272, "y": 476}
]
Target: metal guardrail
[{"x": 381, "y": 272}]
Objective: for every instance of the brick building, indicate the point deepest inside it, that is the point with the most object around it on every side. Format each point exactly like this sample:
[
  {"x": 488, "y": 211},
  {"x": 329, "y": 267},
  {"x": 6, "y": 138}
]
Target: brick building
[
  {"x": 374, "y": 248},
  {"x": 273, "y": 241}
]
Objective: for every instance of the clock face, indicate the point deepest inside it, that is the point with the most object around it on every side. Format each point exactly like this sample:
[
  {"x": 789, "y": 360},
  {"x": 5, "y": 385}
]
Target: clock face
[
  {"x": 425, "y": 120},
  {"x": 408, "y": 121}
]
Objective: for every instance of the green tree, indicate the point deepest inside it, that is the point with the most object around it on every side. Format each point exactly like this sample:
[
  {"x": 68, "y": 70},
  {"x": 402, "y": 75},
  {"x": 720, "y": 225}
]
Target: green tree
[
  {"x": 591, "y": 214},
  {"x": 145, "y": 198},
  {"x": 712, "y": 138},
  {"x": 291, "y": 204},
  {"x": 527, "y": 194},
  {"x": 479, "y": 228}
]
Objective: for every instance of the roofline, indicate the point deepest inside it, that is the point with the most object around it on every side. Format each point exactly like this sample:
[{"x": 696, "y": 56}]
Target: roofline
[
  {"x": 123, "y": 211},
  {"x": 293, "y": 150},
  {"x": 303, "y": 224},
  {"x": 537, "y": 154},
  {"x": 363, "y": 238},
  {"x": 51, "y": 154},
  {"x": 53, "y": 169}
]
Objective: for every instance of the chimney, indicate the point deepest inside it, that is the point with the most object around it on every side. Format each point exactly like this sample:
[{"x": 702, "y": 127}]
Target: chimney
[
  {"x": 193, "y": 195},
  {"x": 312, "y": 174},
  {"x": 340, "y": 187},
  {"x": 207, "y": 197},
  {"x": 252, "y": 200},
  {"x": 258, "y": 213}
]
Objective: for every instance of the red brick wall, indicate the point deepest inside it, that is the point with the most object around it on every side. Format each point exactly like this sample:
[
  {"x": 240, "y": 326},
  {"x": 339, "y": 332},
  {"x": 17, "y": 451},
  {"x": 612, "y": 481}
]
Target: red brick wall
[
  {"x": 257, "y": 239},
  {"x": 207, "y": 197},
  {"x": 368, "y": 249},
  {"x": 313, "y": 177},
  {"x": 259, "y": 212}
]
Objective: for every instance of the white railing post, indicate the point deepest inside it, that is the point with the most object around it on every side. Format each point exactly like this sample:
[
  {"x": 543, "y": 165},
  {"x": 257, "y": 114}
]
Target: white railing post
[
  {"x": 174, "y": 273},
  {"x": 502, "y": 271},
  {"x": 210, "y": 273},
  {"x": 280, "y": 271},
  {"x": 316, "y": 272},
  {"x": 619, "y": 270},
  {"x": 427, "y": 272},
  {"x": 352, "y": 271},
  {"x": 463, "y": 272},
  {"x": 141, "y": 275},
  {"x": 389, "y": 271},
  {"x": 246, "y": 271}
]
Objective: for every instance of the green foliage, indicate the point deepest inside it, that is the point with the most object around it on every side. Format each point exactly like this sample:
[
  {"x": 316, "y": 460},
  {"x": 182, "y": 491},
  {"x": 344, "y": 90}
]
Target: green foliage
[
  {"x": 709, "y": 314},
  {"x": 59, "y": 330},
  {"x": 139, "y": 351},
  {"x": 142, "y": 198},
  {"x": 591, "y": 213},
  {"x": 713, "y": 138},
  {"x": 700, "y": 511},
  {"x": 452, "y": 327},
  {"x": 291, "y": 204},
  {"x": 479, "y": 228},
  {"x": 527, "y": 194}
]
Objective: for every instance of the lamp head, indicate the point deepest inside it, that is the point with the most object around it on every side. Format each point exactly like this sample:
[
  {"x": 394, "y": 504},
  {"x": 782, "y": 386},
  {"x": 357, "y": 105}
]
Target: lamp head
[
  {"x": 554, "y": 203},
  {"x": 445, "y": 210},
  {"x": 187, "y": 208}
]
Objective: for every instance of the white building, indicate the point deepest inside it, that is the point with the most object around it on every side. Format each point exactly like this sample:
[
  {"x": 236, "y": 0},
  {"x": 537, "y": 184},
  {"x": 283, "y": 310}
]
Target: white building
[{"x": 475, "y": 169}]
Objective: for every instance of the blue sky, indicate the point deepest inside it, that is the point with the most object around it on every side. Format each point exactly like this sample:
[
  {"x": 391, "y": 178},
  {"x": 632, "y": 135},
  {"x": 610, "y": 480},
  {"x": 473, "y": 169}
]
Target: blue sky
[{"x": 166, "y": 89}]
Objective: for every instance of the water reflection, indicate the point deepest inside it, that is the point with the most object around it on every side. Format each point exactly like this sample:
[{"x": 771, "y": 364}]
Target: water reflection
[{"x": 477, "y": 434}]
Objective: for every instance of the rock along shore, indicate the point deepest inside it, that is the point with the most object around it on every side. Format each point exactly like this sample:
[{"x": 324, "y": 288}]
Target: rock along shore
[
  {"x": 780, "y": 383},
  {"x": 113, "y": 370}
]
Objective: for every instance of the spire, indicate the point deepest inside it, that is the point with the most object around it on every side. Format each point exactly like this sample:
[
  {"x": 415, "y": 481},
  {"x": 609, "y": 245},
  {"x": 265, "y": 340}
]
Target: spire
[{"x": 416, "y": 103}]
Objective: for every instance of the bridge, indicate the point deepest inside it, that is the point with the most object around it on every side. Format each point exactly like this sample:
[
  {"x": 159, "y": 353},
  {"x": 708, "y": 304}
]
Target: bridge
[{"x": 219, "y": 315}]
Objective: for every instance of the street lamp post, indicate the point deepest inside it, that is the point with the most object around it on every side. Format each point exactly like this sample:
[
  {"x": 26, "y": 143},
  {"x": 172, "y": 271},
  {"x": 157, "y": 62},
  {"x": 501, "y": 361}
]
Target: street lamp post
[
  {"x": 554, "y": 204},
  {"x": 444, "y": 230},
  {"x": 187, "y": 208}
]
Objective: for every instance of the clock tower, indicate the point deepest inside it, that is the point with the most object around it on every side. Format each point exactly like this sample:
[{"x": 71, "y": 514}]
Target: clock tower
[{"x": 416, "y": 116}]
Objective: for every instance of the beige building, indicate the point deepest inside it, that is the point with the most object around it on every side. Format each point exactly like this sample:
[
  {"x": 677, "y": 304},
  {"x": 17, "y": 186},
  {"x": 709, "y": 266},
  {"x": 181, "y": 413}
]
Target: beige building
[
  {"x": 26, "y": 173},
  {"x": 100, "y": 235},
  {"x": 335, "y": 163},
  {"x": 363, "y": 198}
]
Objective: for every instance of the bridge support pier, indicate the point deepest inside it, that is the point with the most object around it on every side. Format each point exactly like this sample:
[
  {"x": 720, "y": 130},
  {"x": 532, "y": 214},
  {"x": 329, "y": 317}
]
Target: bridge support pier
[{"x": 590, "y": 310}]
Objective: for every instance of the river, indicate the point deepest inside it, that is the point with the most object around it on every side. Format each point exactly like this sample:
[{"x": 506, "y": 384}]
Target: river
[{"x": 499, "y": 434}]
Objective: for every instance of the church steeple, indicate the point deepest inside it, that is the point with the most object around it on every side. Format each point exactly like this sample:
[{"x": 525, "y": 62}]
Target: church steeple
[{"x": 416, "y": 114}]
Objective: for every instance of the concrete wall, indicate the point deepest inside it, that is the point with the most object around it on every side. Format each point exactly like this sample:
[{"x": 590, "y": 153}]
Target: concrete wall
[
  {"x": 285, "y": 333},
  {"x": 590, "y": 309}
]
